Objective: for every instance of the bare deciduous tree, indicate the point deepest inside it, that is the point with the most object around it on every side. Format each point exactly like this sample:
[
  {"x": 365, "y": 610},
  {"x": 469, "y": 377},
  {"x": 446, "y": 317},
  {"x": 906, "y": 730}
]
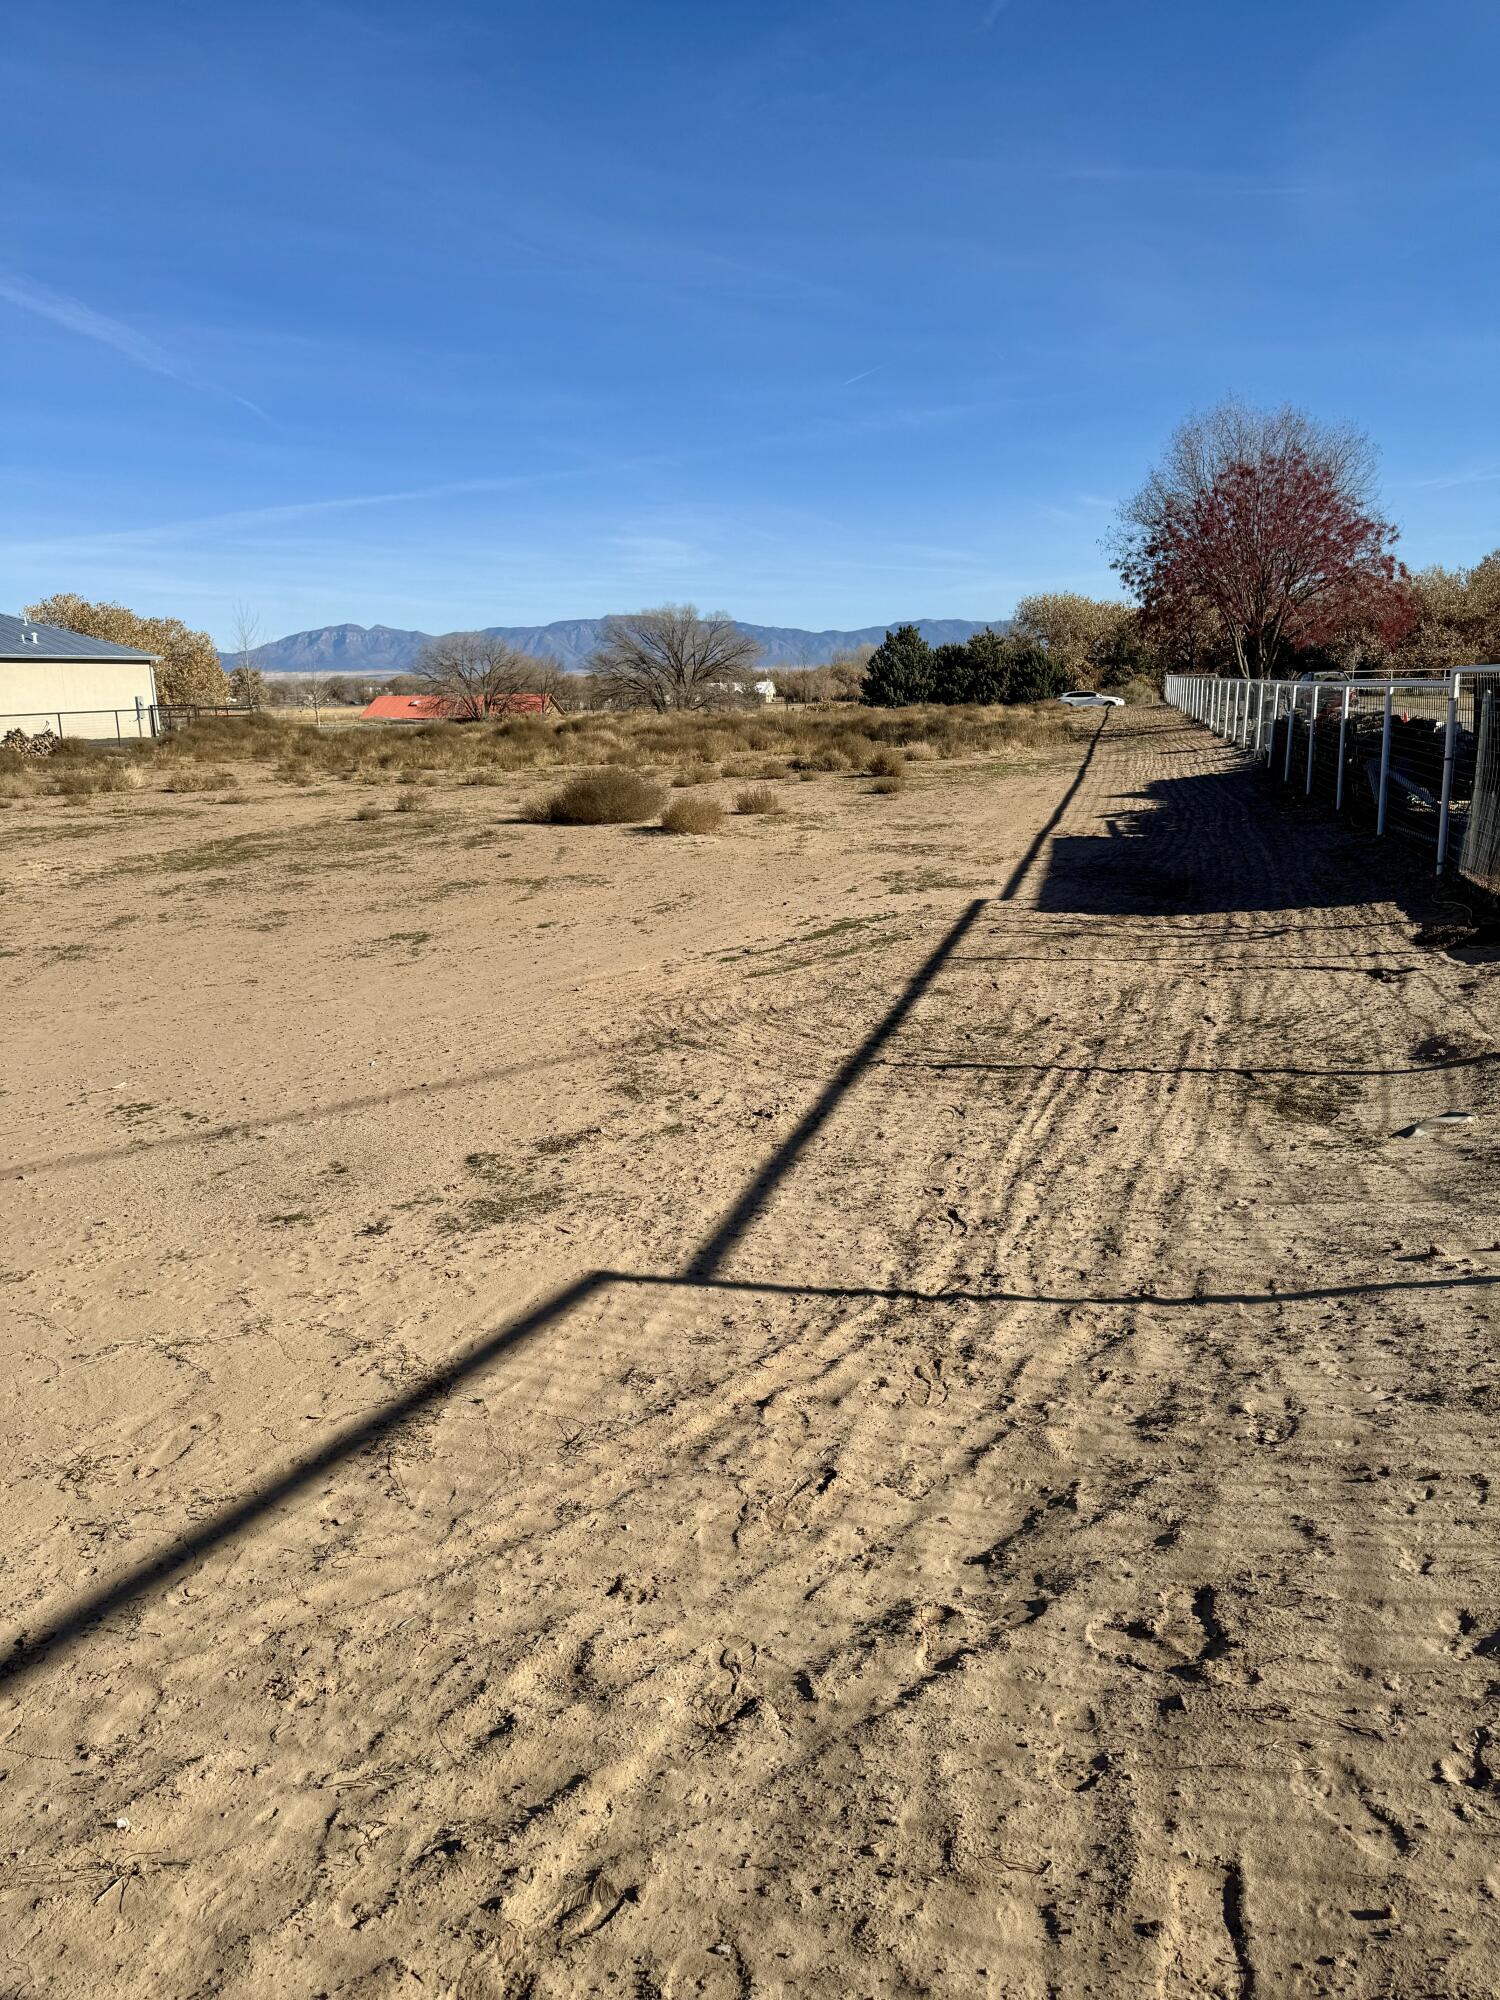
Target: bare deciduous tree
[
  {"x": 247, "y": 684},
  {"x": 671, "y": 658},
  {"x": 246, "y": 635},
  {"x": 309, "y": 691},
  {"x": 475, "y": 672}
]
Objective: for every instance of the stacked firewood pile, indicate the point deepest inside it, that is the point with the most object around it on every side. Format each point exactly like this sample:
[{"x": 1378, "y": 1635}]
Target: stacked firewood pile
[{"x": 41, "y": 745}]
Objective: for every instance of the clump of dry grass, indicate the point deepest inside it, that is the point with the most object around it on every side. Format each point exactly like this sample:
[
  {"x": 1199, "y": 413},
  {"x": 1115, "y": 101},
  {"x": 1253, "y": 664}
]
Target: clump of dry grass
[
  {"x": 80, "y": 778},
  {"x": 886, "y": 786},
  {"x": 74, "y": 784},
  {"x": 756, "y": 799},
  {"x": 693, "y": 816},
  {"x": 17, "y": 781},
  {"x": 886, "y": 764},
  {"x": 604, "y": 798},
  {"x": 195, "y": 778}
]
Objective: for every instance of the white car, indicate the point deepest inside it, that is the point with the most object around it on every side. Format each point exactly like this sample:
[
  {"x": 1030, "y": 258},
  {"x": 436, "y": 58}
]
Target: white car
[{"x": 1092, "y": 700}]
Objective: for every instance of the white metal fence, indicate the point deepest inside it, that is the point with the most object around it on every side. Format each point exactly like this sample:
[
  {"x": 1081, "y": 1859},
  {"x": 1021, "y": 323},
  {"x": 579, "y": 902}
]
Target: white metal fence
[{"x": 1419, "y": 758}]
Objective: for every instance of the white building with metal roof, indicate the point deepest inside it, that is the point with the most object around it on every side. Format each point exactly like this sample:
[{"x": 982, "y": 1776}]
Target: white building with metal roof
[{"x": 52, "y": 679}]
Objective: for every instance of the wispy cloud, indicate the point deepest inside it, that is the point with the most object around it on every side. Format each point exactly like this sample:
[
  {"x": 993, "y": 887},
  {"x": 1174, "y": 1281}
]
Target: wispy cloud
[
  {"x": 180, "y": 532},
  {"x": 1484, "y": 475},
  {"x": 80, "y": 319},
  {"x": 648, "y": 551}
]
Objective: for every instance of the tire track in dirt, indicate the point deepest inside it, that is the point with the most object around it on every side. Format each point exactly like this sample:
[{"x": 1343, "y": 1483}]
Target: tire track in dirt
[{"x": 776, "y": 1641}]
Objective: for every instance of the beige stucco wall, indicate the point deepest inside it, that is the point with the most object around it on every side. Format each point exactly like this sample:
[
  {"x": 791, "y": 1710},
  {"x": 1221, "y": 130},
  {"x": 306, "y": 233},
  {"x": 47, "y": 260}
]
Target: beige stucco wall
[{"x": 86, "y": 693}]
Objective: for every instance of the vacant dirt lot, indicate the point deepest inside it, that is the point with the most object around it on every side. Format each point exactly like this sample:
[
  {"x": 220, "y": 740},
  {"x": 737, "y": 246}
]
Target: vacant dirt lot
[{"x": 869, "y": 1406}]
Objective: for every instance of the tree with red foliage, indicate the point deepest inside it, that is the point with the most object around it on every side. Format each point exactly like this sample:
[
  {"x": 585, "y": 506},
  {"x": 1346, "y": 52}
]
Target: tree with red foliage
[{"x": 1264, "y": 521}]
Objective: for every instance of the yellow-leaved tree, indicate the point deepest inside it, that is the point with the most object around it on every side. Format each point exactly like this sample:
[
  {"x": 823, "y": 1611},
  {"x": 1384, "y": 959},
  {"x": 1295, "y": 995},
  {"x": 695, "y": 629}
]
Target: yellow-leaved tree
[
  {"x": 1090, "y": 638},
  {"x": 187, "y": 667},
  {"x": 1459, "y": 621}
]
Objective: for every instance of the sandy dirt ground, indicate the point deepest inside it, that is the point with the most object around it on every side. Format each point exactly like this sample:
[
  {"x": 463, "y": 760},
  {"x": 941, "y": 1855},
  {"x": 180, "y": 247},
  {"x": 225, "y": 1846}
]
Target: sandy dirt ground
[{"x": 867, "y": 1406}]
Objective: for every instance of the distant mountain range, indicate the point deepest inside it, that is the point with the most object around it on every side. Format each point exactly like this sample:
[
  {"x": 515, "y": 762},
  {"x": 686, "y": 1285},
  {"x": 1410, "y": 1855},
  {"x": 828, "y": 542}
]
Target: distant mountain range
[{"x": 383, "y": 649}]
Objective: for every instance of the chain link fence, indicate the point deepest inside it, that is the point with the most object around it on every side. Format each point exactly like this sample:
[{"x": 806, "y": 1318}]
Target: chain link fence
[{"x": 1418, "y": 759}]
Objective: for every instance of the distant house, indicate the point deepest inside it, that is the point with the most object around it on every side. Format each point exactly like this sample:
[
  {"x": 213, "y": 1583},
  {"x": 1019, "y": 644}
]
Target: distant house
[
  {"x": 745, "y": 691},
  {"x": 443, "y": 708},
  {"x": 52, "y": 679},
  {"x": 763, "y": 689}
]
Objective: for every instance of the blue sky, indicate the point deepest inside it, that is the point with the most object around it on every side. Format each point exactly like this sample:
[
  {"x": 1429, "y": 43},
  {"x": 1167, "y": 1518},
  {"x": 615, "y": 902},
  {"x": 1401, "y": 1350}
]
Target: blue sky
[{"x": 824, "y": 313}]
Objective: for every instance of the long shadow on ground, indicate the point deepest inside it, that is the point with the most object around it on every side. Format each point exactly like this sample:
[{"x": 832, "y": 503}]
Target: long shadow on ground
[{"x": 1073, "y": 883}]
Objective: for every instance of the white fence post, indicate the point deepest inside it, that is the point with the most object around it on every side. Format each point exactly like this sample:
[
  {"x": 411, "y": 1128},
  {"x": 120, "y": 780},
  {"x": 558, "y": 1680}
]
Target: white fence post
[
  {"x": 1338, "y": 783},
  {"x": 1312, "y": 737},
  {"x": 1291, "y": 732},
  {"x": 1450, "y": 748},
  {"x": 1385, "y": 762},
  {"x": 1260, "y": 715}
]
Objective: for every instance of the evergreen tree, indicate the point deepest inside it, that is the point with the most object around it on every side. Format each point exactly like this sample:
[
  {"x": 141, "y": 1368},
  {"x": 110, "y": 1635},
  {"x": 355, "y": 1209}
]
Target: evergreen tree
[
  {"x": 900, "y": 671},
  {"x": 1032, "y": 675},
  {"x": 988, "y": 673},
  {"x": 951, "y": 673}
]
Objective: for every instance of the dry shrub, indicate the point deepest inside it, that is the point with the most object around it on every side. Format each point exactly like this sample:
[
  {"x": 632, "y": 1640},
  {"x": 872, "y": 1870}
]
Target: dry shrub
[
  {"x": 885, "y": 786},
  {"x": 755, "y": 799},
  {"x": 370, "y": 812},
  {"x": 215, "y": 736},
  {"x": 194, "y": 778},
  {"x": 16, "y": 782},
  {"x": 83, "y": 773},
  {"x": 604, "y": 798},
  {"x": 409, "y": 799},
  {"x": 75, "y": 781},
  {"x": 693, "y": 816},
  {"x": 886, "y": 764},
  {"x": 743, "y": 745}
]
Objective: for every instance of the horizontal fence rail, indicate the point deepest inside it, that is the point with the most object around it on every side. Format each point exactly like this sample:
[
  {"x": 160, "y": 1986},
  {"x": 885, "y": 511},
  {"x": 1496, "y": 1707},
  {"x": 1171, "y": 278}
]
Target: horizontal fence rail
[
  {"x": 1417, "y": 757},
  {"x": 106, "y": 725}
]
